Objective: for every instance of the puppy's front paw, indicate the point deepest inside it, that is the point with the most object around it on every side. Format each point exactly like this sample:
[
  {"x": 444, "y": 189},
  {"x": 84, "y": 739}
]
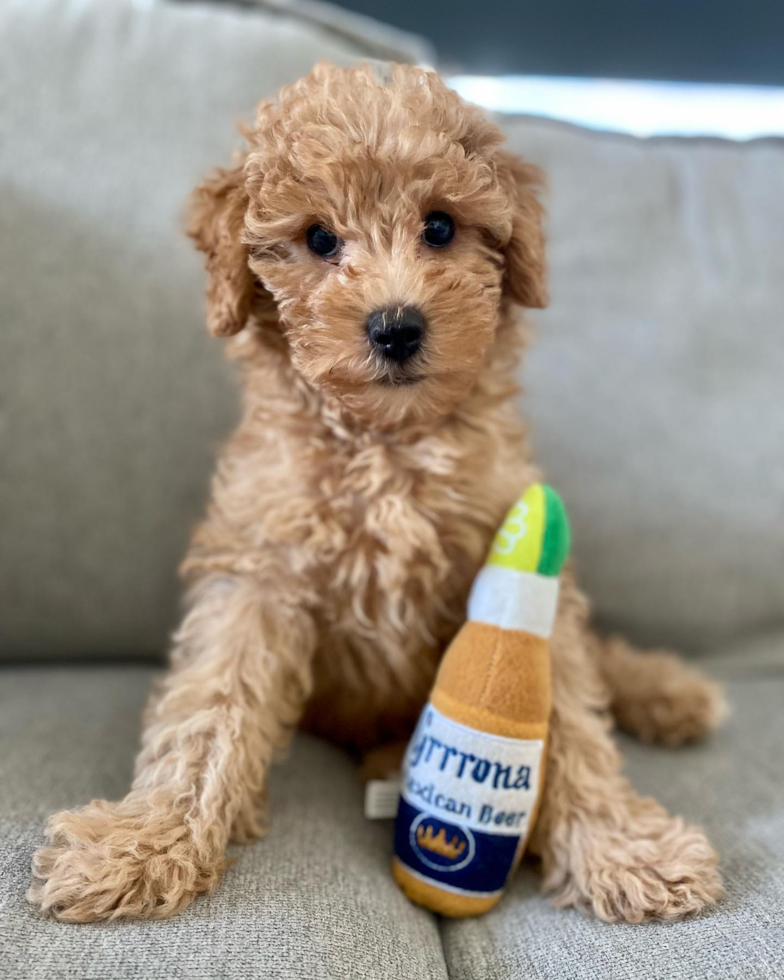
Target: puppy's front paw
[
  {"x": 662, "y": 868},
  {"x": 119, "y": 859}
]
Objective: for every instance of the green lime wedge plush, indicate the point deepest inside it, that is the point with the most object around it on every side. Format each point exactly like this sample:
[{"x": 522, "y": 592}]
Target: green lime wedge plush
[{"x": 535, "y": 536}]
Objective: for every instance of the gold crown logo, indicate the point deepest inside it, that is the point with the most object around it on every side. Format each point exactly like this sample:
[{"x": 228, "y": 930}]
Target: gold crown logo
[{"x": 438, "y": 842}]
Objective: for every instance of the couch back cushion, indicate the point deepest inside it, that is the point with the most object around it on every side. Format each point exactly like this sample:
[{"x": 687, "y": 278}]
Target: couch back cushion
[
  {"x": 655, "y": 381},
  {"x": 112, "y": 396}
]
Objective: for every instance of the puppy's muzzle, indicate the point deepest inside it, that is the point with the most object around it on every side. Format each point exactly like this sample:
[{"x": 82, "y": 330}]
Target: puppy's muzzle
[{"x": 397, "y": 332}]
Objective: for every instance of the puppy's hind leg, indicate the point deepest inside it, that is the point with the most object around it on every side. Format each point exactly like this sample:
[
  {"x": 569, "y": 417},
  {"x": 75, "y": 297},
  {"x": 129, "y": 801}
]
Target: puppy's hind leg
[
  {"x": 240, "y": 674},
  {"x": 654, "y": 695}
]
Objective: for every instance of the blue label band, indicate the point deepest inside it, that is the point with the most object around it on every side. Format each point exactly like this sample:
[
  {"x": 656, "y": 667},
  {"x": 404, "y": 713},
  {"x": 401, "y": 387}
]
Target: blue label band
[{"x": 463, "y": 859}]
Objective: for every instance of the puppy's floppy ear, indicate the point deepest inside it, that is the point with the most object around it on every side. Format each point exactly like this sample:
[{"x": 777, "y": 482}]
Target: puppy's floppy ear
[
  {"x": 216, "y": 219},
  {"x": 524, "y": 281}
]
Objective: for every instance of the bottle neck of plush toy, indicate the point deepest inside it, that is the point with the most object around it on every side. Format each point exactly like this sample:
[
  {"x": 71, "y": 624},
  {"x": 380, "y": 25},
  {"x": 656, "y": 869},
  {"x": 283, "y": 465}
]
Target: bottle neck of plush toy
[
  {"x": 517, "y": 588},
  {"x": 496, "y": 673}
]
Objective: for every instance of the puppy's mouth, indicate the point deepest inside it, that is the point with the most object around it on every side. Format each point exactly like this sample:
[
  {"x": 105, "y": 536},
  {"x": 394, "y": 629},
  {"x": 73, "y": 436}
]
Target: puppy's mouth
[
  {"x": 388, "y": 374},
  {"x": 399, "y": 380}
]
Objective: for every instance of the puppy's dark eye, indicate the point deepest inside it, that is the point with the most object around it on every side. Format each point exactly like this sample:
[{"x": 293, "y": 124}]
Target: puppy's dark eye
[
  {"x": 439, "y": 229},
  {"x": 322, "y": 241}
]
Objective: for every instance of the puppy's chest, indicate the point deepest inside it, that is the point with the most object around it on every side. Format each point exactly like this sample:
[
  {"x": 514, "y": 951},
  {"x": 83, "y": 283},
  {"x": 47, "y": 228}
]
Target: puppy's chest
[
  {"x": 400, "y": 537},
  {"x": 391, "y": 530}
]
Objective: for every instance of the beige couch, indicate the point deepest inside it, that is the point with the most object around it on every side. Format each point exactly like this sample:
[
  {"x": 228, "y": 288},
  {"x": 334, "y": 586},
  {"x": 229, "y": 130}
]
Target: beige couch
[{"x": 655, "y": 388}]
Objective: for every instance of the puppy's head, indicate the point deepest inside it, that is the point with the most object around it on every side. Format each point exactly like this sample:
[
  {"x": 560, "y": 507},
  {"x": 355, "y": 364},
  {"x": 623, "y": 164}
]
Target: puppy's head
[{"x": 375, "y": 230}]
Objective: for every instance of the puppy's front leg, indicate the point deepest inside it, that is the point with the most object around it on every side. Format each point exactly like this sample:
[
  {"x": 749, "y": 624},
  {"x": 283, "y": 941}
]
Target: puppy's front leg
[
  {"x": 240, "y": 675},
  {"x": 604, "y": 847}
]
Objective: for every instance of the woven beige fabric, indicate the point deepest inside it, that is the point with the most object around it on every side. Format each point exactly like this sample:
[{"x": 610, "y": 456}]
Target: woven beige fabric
[
  {"x": 315, "y": 900},
  {"x": 733, "y": 786},
  {"x": 654, "y": 382}
]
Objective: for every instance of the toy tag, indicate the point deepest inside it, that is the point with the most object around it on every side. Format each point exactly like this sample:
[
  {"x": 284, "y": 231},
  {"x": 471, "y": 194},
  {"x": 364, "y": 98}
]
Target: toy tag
[{"x": 381, "y": 798}]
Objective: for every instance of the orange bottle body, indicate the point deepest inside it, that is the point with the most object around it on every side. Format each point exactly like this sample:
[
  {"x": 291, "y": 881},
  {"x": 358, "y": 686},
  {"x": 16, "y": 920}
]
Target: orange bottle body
[{"x": 473, "y": 772}]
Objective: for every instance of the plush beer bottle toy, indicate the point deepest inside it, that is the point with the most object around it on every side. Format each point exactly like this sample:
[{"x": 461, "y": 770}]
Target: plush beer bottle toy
[{"x": 473, "y": 771}]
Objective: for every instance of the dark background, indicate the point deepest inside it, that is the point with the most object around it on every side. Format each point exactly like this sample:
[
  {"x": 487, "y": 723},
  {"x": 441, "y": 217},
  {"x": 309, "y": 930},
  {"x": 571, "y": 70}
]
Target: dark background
[{"x": 683, "y": 40}]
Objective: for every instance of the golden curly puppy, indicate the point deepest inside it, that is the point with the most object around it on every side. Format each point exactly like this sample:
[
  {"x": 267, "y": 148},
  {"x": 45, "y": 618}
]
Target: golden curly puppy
[{"x": 365, "y": 256}]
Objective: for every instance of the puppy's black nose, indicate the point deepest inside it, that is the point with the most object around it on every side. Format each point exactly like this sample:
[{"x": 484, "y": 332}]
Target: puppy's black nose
[{"x": 396, "y": 332}]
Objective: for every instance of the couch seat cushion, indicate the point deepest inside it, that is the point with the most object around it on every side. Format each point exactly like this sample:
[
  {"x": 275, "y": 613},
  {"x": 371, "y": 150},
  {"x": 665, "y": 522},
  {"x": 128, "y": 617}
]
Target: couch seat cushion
[
  {"x": 733, "y": 785},
  {"x": 315, "y": 900}
]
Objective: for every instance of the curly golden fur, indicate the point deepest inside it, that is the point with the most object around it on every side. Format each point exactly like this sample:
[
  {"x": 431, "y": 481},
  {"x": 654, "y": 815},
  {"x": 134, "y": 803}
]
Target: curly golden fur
[{"x": 354, "y": 504}]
